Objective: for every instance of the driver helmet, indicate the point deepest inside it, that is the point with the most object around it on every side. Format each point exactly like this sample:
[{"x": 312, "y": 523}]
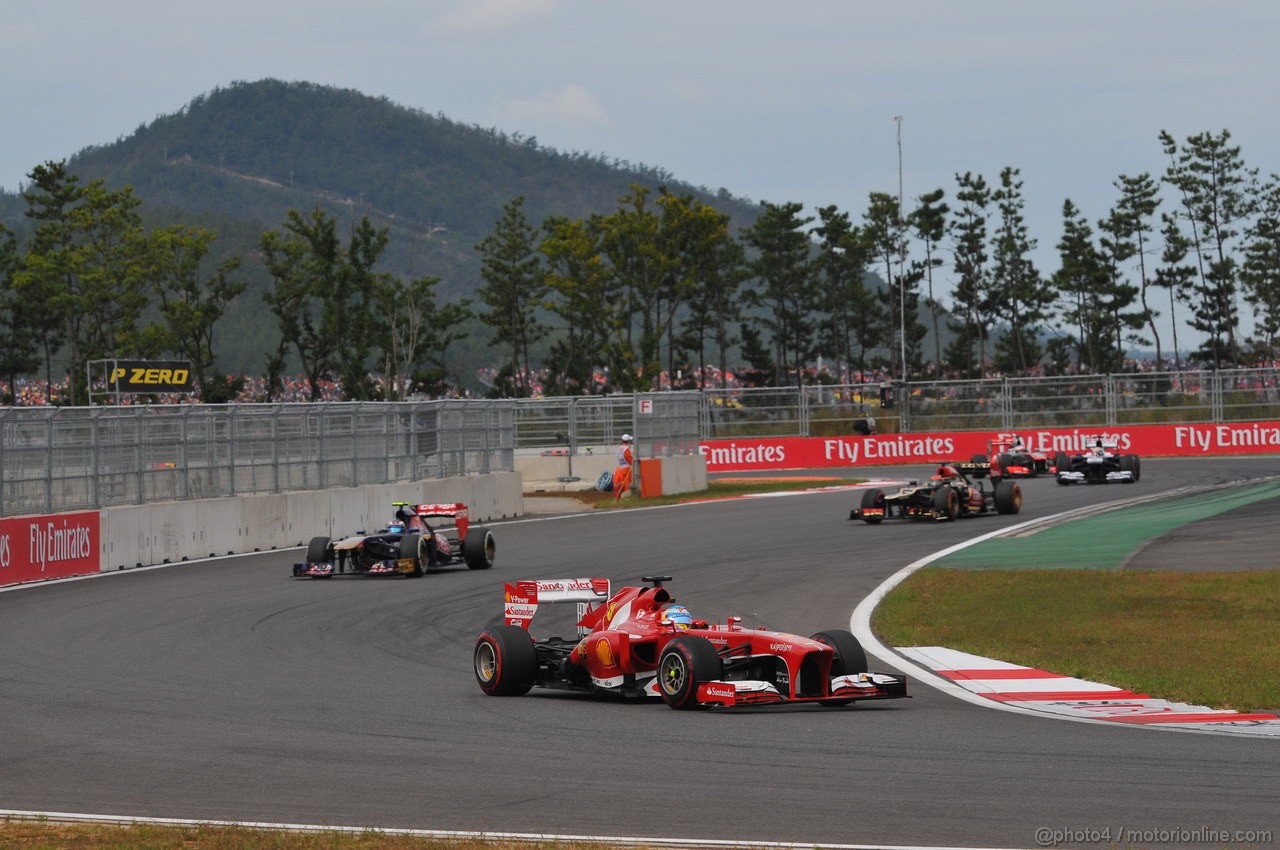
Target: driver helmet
[
  {"x": 946, "y": 472},
  {"x": 676, "y": 616}
]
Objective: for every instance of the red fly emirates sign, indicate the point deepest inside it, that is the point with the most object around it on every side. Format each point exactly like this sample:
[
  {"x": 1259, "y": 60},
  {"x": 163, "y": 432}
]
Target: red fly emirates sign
[
  {"x": 764, "y": 453},
  {"x": 45, "y": 547}
]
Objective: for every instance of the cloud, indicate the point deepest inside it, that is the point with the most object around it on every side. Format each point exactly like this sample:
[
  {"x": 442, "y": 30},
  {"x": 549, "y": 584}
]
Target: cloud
[
  {"x": 481, "y": 16},
  {"x": 570, "y": 106}
]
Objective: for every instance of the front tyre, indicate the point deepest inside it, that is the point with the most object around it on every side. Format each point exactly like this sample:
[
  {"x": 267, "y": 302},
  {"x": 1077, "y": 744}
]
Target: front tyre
[
  {"x": 849, "y": 658},
  {"x": 505, "y": 661},
  {"x": 685, "y": 663},
  {"x": 479, "y": 548},
  {"x": 946, "y": 504},
  {"x": 1008, "y": 497},
  {"x": 873, "y": 499}
]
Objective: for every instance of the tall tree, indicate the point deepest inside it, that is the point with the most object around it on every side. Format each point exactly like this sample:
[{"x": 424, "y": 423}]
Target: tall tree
[
  {"x": 191, "y": 302},
  {"x": 885, "y": 231},
  {"x": 928, "y": 222},
  {"x": 1217, "y": 193},
  {"x": 583, "y": 294},
  {"x": 514, "y": 286},
  {"x": 972, "y": 293},
  {"x": 18, "y": 339},
  {"x": 853, "y": 318},
  {"x": 1260, "y": 272},
  {"x": 1131, "y": 224},
  {"x": 1016, "y": 284},
  {"x": 322, "y": 295},
  {"x": 86, "y": 265},
  {"x": 785, "y": 289},
  {"x": 1081, "y": 281}
]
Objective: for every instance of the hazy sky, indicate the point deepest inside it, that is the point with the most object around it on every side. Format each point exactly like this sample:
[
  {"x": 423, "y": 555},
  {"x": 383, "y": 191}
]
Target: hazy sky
[{"x": 770, "y": 100}]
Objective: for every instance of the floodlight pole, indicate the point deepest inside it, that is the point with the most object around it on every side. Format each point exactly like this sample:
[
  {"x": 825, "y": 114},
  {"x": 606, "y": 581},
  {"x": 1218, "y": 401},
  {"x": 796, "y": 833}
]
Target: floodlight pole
[{"x": 902, "y": 287}]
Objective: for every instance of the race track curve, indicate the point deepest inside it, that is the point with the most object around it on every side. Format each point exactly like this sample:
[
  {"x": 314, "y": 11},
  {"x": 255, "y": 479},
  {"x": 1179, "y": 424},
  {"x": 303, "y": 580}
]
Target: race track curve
[{"x": 225, "y": 690}]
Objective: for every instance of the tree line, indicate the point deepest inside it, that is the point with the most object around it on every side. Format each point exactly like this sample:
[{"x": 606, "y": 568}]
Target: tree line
[{"x": 661, "y": 284}]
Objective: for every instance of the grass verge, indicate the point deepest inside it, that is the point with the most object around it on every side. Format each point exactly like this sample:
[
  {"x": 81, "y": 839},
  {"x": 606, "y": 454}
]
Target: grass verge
[
  {"x": 48, "y": 835},
  {"x": 1208, "y": 639}
]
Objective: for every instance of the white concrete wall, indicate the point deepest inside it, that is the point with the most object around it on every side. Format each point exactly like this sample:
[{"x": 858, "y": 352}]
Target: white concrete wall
[
  {"x": 169, "y": 532},
  {"x": 684, "y": 474}
]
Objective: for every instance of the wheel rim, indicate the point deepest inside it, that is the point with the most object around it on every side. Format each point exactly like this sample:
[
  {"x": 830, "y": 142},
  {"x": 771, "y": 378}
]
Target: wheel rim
[
  {"x": 486, "y": 662},
  {"x": 674, "y": 673}
]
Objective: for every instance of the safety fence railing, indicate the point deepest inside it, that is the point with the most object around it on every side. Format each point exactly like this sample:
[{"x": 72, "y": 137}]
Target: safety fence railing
[
  {"x": 62, "y": 459},
  {"x": 58, "y": 459}
]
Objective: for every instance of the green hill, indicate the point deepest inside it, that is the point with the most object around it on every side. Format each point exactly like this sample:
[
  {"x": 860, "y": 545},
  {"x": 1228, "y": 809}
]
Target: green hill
[{"x": 238, "y": 158}]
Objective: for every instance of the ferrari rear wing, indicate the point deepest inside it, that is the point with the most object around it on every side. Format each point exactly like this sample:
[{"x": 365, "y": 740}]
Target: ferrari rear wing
[{"x": 521, "y": 600}]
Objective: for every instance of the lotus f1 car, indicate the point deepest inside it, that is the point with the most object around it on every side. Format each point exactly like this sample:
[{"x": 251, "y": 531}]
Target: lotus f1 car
[
  {"x": 635, "y": 643},
  {"x": 950, "y": 494},
  {"x": 407, "y": 546},
  {"x": 1101, "y": 463}
]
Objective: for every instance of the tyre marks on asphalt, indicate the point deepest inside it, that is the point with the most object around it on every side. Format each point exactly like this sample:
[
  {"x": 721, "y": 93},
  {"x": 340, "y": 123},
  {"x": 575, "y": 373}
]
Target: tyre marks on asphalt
[{"x": 1045, "y": 692}]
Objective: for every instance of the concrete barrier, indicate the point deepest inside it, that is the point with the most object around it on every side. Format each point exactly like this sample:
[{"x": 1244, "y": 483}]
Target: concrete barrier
[{"x": 169, "y": 532}]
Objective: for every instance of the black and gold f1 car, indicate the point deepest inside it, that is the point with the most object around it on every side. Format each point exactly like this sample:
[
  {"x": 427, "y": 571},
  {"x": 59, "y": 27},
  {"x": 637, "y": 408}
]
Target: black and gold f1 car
[{"x": 948, "y": 495}]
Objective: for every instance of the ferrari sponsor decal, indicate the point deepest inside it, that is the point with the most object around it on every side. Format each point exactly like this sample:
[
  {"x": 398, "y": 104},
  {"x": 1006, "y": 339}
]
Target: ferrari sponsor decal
[
  {"x": 604, "y": 653},
  {"x": 1066, "y": 696}
]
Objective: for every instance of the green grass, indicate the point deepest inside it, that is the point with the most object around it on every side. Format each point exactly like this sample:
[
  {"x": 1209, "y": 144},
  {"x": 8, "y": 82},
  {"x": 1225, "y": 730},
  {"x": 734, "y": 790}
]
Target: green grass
[
  {"x": 46, "y": 835},
  {"x": 1208, "y": 639}
]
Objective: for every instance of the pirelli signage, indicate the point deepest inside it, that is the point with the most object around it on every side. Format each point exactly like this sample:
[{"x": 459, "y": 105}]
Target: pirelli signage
[{"x": 149, "y": 376}]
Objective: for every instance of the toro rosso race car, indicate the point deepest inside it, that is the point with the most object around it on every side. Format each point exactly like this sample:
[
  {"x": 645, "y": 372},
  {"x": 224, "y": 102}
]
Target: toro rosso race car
[
  {"x": 637, "y": 643},
  {"x": 950, "y": 494},
  {"x": 1101, "y": 463},
  {"x": 407, "y": 546}
]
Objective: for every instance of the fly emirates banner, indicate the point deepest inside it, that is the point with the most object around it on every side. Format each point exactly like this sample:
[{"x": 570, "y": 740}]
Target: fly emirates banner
[
  {"x": 43, "y": 547},
  {"x": 765, "y": 453}
]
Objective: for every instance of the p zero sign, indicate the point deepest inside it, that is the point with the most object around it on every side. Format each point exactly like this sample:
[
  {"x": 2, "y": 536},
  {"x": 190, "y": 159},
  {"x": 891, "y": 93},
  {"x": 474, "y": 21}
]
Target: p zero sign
[
  {"x": 45, "y": 547},
  {"x": 149, "y": 376}
]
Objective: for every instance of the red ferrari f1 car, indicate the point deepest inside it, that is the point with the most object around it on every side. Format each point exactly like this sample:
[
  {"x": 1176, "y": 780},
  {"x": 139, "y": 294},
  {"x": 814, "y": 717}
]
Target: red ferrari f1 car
[
  {"x": 637, "y": 643},
  {"x": 407, "y": 546}
]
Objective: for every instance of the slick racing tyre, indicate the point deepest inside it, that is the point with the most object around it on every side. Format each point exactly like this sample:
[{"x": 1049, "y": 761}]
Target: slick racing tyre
[
  {"x": 1131, "y": 464},
  {"x": 505, "y": 661},
  {"x": 873, "y": 499},
  {"x": 409, "y": 549},
  {"x": 849, "y": 657},
  {"x": 685, "y": 663},
  {"x": 1008, "y": 497},
  {"x": 318, "y": 550},
  {"x": 1061, "y": 463},
  {"x": 946, "y": 504},
  {"x": 479, "y": 548}
]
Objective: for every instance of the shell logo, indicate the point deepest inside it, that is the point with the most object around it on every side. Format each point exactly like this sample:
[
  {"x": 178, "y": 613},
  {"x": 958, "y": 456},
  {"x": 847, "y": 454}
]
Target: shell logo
[{"x": 604, "y": 652}]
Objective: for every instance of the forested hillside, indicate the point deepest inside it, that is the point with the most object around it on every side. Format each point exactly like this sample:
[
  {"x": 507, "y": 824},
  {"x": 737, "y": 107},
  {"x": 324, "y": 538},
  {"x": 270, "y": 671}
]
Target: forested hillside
[{"x": 237, "y": 159}]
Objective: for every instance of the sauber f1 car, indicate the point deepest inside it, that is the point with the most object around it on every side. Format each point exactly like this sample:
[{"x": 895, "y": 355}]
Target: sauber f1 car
[
  {"x": 948, "y": 495},
  {"x": 1101, "y": 463},
  {"x": 408, "y": 546},
  {"x": 634, "y": 642}
]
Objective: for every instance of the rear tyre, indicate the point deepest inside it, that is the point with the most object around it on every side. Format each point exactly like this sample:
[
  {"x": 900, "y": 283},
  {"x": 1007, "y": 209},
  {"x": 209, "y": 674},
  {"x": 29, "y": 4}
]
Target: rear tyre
[
  {"x": 505, "y": 661},
  {"x": 479, "y": 548},
  {"x": 945, "y": 503},
  {"x": 1008, "y": 497},
  {"x": 873, "y": 499},
  {"x": 685, "y": 663},
  {"x": 849, "y": 658},
  {"x": 318, "y": 551}
]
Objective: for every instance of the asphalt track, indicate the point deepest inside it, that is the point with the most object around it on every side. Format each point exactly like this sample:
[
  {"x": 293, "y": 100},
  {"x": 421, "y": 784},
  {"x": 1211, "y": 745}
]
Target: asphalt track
[{"x": 225, "y": 690}]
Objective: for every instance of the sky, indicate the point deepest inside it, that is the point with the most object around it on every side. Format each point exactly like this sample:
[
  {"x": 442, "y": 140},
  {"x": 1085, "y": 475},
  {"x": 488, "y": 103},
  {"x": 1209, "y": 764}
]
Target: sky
[{"x": 819, "y": 102}]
